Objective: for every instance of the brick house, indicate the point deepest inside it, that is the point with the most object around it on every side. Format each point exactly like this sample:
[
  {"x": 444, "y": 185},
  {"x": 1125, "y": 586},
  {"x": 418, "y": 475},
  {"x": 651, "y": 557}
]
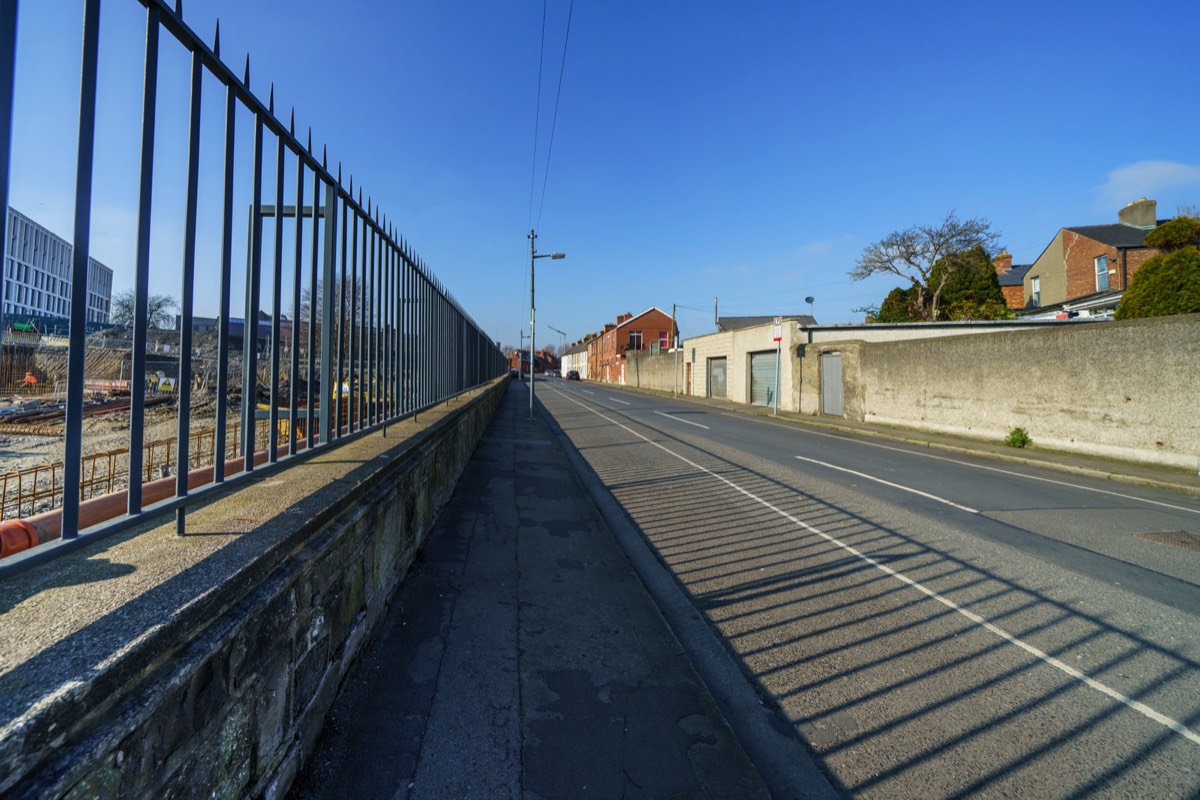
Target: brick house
[
  {"x": 1094, "y": 262},
  {"x": 650, "y": 330},
  {"x": 1011, "y": 279}
]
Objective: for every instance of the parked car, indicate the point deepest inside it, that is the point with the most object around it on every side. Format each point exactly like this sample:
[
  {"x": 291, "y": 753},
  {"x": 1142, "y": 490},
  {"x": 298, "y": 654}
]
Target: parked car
[
  {"x": 551, "y": 373},
  {"x": 572, "y": 375}
]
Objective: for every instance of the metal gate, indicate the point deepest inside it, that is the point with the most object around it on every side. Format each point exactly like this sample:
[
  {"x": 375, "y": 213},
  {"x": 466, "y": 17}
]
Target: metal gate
[
  {"x": 831, "y": 384},
  {"x": 762, "y": 378},
  {"x": 716, "y": 377}
]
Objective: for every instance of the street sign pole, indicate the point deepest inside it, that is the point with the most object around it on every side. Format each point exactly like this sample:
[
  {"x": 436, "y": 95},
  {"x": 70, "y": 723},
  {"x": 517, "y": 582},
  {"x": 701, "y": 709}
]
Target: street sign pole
[{"x": 778, "y": 359}]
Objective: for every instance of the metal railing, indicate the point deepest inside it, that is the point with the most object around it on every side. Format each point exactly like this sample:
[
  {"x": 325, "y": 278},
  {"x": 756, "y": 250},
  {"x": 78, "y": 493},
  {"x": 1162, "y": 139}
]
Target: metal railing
[{"x": 368, "y": 313}]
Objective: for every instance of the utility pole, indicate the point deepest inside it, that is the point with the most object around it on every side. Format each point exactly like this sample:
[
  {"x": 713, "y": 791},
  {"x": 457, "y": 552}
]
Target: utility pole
[
  {"x": 675, "y": 342},
  {"x": 715, "y": 323}
]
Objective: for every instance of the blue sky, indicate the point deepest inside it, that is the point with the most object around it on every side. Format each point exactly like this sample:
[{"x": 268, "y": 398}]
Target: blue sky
[{"x": 746, "y": 151}]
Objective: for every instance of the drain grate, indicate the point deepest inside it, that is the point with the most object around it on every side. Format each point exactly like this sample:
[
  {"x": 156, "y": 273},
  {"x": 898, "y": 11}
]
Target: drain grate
[{"x": 1181, "y": 539}]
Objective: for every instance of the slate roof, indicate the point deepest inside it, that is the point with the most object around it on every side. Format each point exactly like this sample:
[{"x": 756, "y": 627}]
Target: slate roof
[
  {"x": 1117, "y": 235},
  {"x": 1015, "y": 275},
  {"x": 738, "y": 323}
]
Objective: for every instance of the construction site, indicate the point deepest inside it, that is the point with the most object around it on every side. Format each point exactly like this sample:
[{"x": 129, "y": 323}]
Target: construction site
[{"x": 33, "y": 369}]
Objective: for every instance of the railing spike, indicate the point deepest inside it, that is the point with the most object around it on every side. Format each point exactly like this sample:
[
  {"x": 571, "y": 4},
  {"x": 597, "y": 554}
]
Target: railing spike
[
  {"x": 292, "y": 123},
  {"x": 310, "y": 140},
  {"x": 339, "y": 171},
  {"x": 179, "y": 8},
  {"x": 217, "y": 40},
  {"x": 271, "y": 100},
  {"x": 325, "y": 162},
  {"x": 246, "y": 78}
]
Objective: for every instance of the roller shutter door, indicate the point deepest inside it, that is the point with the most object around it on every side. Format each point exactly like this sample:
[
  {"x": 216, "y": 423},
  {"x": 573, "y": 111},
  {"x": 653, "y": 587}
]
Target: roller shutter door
[
  {"x": 716, "y": 377},
  {"x": 762, "y": 378}
]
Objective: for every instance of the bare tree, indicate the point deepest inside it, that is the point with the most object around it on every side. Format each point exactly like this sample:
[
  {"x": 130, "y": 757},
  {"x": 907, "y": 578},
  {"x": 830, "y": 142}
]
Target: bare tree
[
  {"x": 912, "y": 254},
  {"x": 1188, "y": 210},
  {"x": 159, "y": 310}
]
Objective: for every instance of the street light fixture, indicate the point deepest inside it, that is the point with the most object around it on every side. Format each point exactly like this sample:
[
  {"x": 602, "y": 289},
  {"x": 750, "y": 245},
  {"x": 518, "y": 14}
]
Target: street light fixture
[{"x": 533, "y": 256}]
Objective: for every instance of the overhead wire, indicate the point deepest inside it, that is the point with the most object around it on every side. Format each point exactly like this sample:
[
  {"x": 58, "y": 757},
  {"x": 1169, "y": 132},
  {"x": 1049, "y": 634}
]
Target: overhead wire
[
  {"x": 537, "y": 116},
  {"x": 557, "y": 97}
]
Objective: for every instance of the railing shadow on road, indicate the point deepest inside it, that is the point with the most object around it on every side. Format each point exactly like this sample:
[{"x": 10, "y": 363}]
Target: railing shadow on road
[{"x": 892, "y": 690}]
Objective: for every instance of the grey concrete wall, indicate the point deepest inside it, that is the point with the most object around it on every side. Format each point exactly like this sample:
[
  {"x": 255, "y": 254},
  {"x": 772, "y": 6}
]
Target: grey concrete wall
[
  {"x": 153, "y": 665},
  {"x": 645, "y": 371},
  {"x": 1124, "y": 390}
]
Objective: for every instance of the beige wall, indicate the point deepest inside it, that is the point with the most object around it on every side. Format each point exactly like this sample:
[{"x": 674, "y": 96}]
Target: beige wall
[
  {"x": 1119, "y": 389},
  {"x": 736, "y": 347},
  {"x": 1051, "y": 267}
]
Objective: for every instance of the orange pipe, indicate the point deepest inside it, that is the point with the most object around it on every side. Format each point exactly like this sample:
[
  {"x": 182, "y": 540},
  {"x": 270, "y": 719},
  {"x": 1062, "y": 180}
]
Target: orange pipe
[{"x": 16, "y": 535}]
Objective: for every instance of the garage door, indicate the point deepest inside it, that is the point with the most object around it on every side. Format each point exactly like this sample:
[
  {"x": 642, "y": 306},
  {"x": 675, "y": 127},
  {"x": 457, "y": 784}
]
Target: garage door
[
  {"x": 762, "y": 378},
  {"x": 716, "y": 377}
]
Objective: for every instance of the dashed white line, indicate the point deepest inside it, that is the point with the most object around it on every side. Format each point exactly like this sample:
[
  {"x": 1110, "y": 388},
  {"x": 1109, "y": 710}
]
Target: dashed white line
[
  {"x": 956, "y": 461},
  {"x": 1141, "y": 708},
  {"x": 615, "y": 400},
  {"x": 889, "y": 483},
  {"x": 684, "y": 421}
]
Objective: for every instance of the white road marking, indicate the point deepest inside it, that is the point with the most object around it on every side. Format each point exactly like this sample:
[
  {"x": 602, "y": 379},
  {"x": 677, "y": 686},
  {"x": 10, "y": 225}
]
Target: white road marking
[
  {"x": 889, "y": 483},
  {"x": 685, "y": 421},
  {"x": 957, "y": 462},
  {"x": 1036, "y": 652},
  {"x": 585, "y": 391},
  {"x": 615, "y": 400}
]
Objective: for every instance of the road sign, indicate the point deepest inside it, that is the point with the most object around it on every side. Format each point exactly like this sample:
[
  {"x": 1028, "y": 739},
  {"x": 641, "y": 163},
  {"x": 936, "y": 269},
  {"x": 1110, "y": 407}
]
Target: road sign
[{"x": 778, "y": 329}]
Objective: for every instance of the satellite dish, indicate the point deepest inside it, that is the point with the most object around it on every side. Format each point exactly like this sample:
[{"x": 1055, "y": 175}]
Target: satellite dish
[{"x": 808, "y": 300}]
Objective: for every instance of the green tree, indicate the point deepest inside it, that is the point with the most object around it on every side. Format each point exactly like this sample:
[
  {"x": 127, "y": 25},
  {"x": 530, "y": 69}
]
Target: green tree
[
  {"x": 973, "y": 288},
  {"x": 1175, "y": 234},
  {"x": 1168, "y": 283},
  {"x": 912, "y": 255},
  {"x": 899, "y": 306}
]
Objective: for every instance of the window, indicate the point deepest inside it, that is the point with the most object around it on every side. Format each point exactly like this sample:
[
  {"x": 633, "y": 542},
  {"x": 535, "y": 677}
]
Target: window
[
  {"x": 1035, "y": 295},
  {"x": 635, "y": 340},
  {"x": 664, "y": 340},
  {"x": 1101, "y": 273}
]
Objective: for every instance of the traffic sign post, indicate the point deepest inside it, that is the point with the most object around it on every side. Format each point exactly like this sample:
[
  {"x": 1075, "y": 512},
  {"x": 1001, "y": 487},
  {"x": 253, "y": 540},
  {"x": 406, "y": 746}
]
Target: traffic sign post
[{"x": 778, "y": 359}]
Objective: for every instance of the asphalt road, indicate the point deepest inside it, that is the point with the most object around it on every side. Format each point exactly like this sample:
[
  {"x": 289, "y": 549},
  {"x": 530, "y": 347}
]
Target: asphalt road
[{"x": 932, "y": 625}]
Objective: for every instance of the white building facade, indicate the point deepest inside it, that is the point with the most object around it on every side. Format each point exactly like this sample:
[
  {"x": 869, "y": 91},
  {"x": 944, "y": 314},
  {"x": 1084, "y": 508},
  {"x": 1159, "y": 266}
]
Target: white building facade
[{"x": 37, "y": 274}]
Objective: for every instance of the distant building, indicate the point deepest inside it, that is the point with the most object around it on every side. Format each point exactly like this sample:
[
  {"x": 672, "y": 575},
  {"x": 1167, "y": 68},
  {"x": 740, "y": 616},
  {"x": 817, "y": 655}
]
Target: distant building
[{"x": 37, "y": 274}]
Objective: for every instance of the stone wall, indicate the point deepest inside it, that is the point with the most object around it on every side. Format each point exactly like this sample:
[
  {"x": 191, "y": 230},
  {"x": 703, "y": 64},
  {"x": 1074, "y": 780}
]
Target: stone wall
[{"x": 213, "y": 676}]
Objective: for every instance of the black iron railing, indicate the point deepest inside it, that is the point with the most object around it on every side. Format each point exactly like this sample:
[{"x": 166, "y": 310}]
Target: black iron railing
[{"x": 373, "y": 336}]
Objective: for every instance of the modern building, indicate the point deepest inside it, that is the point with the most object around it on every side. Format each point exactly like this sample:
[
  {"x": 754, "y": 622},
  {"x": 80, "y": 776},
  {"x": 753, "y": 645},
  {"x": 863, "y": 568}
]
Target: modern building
[{"x": 37, "y": 274}]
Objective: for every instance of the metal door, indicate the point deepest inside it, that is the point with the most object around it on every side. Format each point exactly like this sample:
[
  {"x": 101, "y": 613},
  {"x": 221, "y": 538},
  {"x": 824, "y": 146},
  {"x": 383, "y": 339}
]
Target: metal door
[
  {"x": 831, "y": 384},
  {"x": 762, "y": 378},
  {"x": 716, "y": 377}
]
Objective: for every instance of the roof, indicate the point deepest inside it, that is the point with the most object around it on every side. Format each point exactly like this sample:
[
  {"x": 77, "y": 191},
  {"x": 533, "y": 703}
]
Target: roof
[
  {"x": 1015, "y": 275},
  {"x": 738, "y": 323},
  {"x": 644, "y": 313},
  {"x": 1117, "y": 235}
]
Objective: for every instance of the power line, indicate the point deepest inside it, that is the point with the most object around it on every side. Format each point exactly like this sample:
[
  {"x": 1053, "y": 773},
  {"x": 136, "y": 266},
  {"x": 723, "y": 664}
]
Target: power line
[
  {"x": 554, "y": 124},
  {"x": 537, "y": 115}
]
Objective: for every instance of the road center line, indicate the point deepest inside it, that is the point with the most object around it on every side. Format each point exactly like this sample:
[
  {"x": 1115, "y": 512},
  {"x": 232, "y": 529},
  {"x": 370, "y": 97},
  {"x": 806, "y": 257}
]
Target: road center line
[
  {"x": 677, "y": 419},
  {"x": 615, "y": 400},
  {"x": 1043, "y": 656},
  {"x": 889, "y": 483}
]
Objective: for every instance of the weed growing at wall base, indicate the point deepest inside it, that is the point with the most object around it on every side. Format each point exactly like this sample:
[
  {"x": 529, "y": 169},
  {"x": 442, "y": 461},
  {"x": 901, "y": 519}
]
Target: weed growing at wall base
[{"x": 1018, "y": 437}]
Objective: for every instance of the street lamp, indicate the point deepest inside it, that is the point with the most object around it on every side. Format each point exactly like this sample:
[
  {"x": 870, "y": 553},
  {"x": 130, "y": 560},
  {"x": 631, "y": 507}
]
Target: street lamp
[
  {"x": 533, "y": 256},
  {"x": 563, "y": 334}
]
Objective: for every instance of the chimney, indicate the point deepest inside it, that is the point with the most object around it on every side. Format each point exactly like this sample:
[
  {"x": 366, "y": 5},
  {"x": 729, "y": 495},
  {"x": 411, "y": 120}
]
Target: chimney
[
  {"x": 623, "y": 318},
  {"x": 1002, "y": 262},
  {"x": 1141, "y": 213}
]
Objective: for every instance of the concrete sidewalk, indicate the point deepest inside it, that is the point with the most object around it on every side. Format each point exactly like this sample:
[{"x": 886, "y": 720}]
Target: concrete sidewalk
[{"x": 523, "y": 657}]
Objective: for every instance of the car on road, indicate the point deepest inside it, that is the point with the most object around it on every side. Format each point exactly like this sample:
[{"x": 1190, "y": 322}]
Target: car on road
[{"x": 572, "y": 375}]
